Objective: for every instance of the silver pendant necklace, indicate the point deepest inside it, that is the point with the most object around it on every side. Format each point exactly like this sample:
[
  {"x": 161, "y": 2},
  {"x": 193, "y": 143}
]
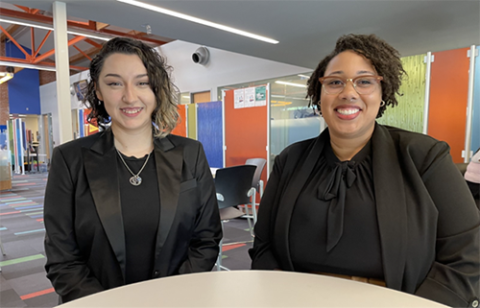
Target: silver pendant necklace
[{"x": 135, "y": 180}]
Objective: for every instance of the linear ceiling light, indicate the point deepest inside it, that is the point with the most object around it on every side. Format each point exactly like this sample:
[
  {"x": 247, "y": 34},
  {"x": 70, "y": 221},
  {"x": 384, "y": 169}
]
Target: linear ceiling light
[
  {"x": 199, "y": 20},
  {"x": 26, "y": 65},
  {"x": 40, "y": 26},
  {"x": 291, "y": 84}
]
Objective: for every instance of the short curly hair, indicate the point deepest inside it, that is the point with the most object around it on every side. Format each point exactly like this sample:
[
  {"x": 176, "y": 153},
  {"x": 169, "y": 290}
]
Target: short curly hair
[
  {"x": 384, "y": 58},
  {"x": 165, "y": 114}
]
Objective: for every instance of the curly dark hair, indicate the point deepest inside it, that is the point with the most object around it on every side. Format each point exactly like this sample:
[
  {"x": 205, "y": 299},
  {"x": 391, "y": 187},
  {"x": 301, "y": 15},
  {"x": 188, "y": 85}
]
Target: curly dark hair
[
  {"x": 384, "y": 58},
  {"x": 165, "y": 115}
]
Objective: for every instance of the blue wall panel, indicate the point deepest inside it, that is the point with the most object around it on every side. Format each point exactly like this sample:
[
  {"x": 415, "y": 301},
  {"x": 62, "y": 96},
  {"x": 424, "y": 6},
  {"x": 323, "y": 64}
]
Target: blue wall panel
[
  {"x": 23, "y": 89},
  {"x": 209, "y": 132}
]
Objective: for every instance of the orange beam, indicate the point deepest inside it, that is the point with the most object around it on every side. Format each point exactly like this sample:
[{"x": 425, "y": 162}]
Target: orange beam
[
  {"x": 34, "y": 11},
  {"x": 93, "y": 43},
  {"x": 32, "y": 37},
  {"x": 51, "y": 52},
  {"x": 11, "y": 30},
  {"x": 81, "y": 51},
  {"x": 90, "y": 52},
  {"x": 43, "y": 42},
  {"x": 27, "y": 56},
  {"x": 26, "y": 9}
]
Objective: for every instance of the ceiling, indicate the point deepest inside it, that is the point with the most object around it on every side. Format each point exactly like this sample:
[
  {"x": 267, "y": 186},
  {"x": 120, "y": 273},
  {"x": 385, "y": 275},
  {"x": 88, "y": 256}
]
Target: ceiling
[{"x": 306, "y": 30}]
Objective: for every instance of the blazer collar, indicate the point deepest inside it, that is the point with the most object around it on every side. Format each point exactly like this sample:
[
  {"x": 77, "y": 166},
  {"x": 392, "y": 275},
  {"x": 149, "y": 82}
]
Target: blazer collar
[
  {"x": 391, "y": 208},
  {"x": 101, "y": 170},
  {"x": 169, "y": 163},
  {"x": 290, "y": 196}
]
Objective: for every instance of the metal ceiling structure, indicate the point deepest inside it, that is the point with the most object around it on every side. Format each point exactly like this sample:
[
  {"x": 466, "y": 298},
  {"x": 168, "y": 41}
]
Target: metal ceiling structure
[{"x": 40, "y": 26}]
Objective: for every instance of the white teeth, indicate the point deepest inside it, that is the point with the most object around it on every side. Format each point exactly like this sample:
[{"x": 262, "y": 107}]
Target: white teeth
[
  {"x": 131, "y": 111},
  {"x": 348, "y": 111}
]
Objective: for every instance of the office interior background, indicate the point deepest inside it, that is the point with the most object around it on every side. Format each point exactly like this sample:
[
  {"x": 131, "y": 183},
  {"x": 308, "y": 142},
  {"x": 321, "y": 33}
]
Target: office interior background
[{"x": 41, "y": 104}]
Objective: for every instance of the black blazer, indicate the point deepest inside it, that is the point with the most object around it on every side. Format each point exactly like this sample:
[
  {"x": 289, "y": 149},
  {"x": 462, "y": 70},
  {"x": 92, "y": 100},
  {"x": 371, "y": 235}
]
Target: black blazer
[
  {"x": 429, "y": 224},
  {"x": 85, "y": 242}
]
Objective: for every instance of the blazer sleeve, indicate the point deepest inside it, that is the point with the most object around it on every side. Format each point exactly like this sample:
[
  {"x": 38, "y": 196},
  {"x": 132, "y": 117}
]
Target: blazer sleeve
[
  {"x": 455, "y": 274},
  {"x": 204, "y": 245},
  {"x": 262, "y": 254},
  {"x": 66, "y": 267}
]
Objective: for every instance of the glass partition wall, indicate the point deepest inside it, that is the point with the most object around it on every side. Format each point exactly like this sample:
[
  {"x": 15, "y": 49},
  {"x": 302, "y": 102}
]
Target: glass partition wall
[{"x": 291, "y": 120}]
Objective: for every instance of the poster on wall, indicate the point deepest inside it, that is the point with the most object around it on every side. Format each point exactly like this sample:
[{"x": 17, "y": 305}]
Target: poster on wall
[
  {"x": 250, "y": 97},
  {"x": 260, "y": 96},
  {"x": 239, "y": 98}
]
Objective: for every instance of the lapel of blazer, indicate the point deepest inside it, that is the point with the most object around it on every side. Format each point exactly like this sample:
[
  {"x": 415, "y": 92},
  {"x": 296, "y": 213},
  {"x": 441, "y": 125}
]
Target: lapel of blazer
[
  {"x": 292, "y": 191},
  {"x": 169, "y": 162},
  {"x": 390, "y": 204},
  {"x": 101, "y": 170}
]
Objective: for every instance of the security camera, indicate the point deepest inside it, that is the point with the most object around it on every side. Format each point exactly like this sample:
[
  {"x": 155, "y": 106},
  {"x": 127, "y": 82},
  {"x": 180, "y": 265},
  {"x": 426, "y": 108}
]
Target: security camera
[{"x": 201, "y": 56}]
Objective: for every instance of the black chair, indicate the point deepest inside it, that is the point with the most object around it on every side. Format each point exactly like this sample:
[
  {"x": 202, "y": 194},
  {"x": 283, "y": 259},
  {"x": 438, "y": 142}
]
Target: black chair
[{"x": 234, "y": 187}]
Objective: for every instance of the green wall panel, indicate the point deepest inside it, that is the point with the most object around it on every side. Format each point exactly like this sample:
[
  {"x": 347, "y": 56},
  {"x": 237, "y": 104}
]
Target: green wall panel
[
  {"x": 408, "y": 114},
  {"x": 192, "y": 121}
]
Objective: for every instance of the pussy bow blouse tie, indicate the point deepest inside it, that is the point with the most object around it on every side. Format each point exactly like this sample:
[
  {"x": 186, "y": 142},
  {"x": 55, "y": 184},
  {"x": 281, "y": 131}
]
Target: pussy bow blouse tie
[{"x": 340, "y": 179}]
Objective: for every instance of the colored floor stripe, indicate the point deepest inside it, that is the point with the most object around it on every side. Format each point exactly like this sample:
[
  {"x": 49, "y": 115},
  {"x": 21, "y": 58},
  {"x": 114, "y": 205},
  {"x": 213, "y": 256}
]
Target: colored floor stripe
[
  {"x": 9, "y": 213},
  {"x": 28, "y": 232},
  {"x": 3, "y": 228},
  {"x": 21, "y": 207},
  {"x": 37, "y": 216},
  {"x": 21, "y": 260},
  {"x": 5, "y": 200},
  {"x": 230, "y": 247},
  {"x": 35, "y": 213},
  {"x": 40, "y": 220},
  {"x": 18, "y": 202},
  {"x": 19, "y": 181},
  {"x": 39, "y": 293},
  {"x": 29, "y": 210}
]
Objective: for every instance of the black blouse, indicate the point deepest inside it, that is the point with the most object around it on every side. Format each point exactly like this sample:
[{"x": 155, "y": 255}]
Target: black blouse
[
  {"x": 334, "y": 225},
  {"x": 141, "y": 215}
]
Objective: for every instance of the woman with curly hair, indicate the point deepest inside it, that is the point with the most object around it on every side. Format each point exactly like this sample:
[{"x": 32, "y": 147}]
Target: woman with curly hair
[
  {"x": 369, "y": 202},
  {"x": 133, "y": 202}
]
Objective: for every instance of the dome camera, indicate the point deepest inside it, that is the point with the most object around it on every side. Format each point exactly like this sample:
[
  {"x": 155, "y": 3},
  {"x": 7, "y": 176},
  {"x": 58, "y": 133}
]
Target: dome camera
[{"x": 201, "y": 56}]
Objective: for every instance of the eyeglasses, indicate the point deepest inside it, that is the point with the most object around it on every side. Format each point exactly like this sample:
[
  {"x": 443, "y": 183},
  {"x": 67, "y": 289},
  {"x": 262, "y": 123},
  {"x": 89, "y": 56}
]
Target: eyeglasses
[{"x": 362, "y": 84}]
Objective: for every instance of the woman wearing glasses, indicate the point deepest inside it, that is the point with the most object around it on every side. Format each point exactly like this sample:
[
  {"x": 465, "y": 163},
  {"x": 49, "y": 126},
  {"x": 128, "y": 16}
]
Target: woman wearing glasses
[{"x": 369, "y": 202}]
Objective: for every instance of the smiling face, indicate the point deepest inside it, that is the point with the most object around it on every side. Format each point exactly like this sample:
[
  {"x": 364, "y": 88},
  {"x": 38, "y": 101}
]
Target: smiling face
[
  {"x": 124, "y": 88},
  {"x": 350, "y": 115}
]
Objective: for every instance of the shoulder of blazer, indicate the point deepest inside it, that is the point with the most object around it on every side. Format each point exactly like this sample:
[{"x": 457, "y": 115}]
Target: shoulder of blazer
[
  {"x": 83, "y": 142},
  {"x": 418, "y": 147}
]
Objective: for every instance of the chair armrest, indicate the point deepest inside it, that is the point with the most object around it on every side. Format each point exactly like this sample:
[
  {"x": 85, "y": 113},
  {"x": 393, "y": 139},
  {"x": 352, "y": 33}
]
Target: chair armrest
[
  {"x": 251, "y": 192},
  {"x": 220, "y": 197}
]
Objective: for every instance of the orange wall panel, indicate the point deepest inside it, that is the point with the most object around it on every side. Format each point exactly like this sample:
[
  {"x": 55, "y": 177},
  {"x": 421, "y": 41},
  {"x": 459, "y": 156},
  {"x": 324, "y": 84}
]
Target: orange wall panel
[
  {"x": 448, "y": 99},
  {"x": 181, "y": 128},
  {"x": 245, "y": 133}
]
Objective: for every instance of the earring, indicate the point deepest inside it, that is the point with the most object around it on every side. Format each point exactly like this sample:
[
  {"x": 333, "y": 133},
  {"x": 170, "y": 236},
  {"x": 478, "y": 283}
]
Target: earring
[
  {"x": 382, "y": 103},
  {"x": 100, "y": 102}
]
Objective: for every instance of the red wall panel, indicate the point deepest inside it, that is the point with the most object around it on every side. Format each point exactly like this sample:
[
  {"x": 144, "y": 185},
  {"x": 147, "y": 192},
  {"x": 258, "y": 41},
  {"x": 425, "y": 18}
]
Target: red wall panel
[{"x": 448, "y": 99}]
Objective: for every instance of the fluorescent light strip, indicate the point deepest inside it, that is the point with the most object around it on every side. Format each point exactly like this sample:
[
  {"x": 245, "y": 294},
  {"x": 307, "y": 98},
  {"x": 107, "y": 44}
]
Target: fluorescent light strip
[
  {"x": 26, "y": 65},
  {"x": 198, "y": 20},
  {"x": 291, "y": 84},
  {"x": 39, "y": 26},
  {"x": 304, "y": 76}
]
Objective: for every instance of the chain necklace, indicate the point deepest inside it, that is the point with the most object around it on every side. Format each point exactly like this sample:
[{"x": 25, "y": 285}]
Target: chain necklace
[{"x": 135, "y": 180}]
